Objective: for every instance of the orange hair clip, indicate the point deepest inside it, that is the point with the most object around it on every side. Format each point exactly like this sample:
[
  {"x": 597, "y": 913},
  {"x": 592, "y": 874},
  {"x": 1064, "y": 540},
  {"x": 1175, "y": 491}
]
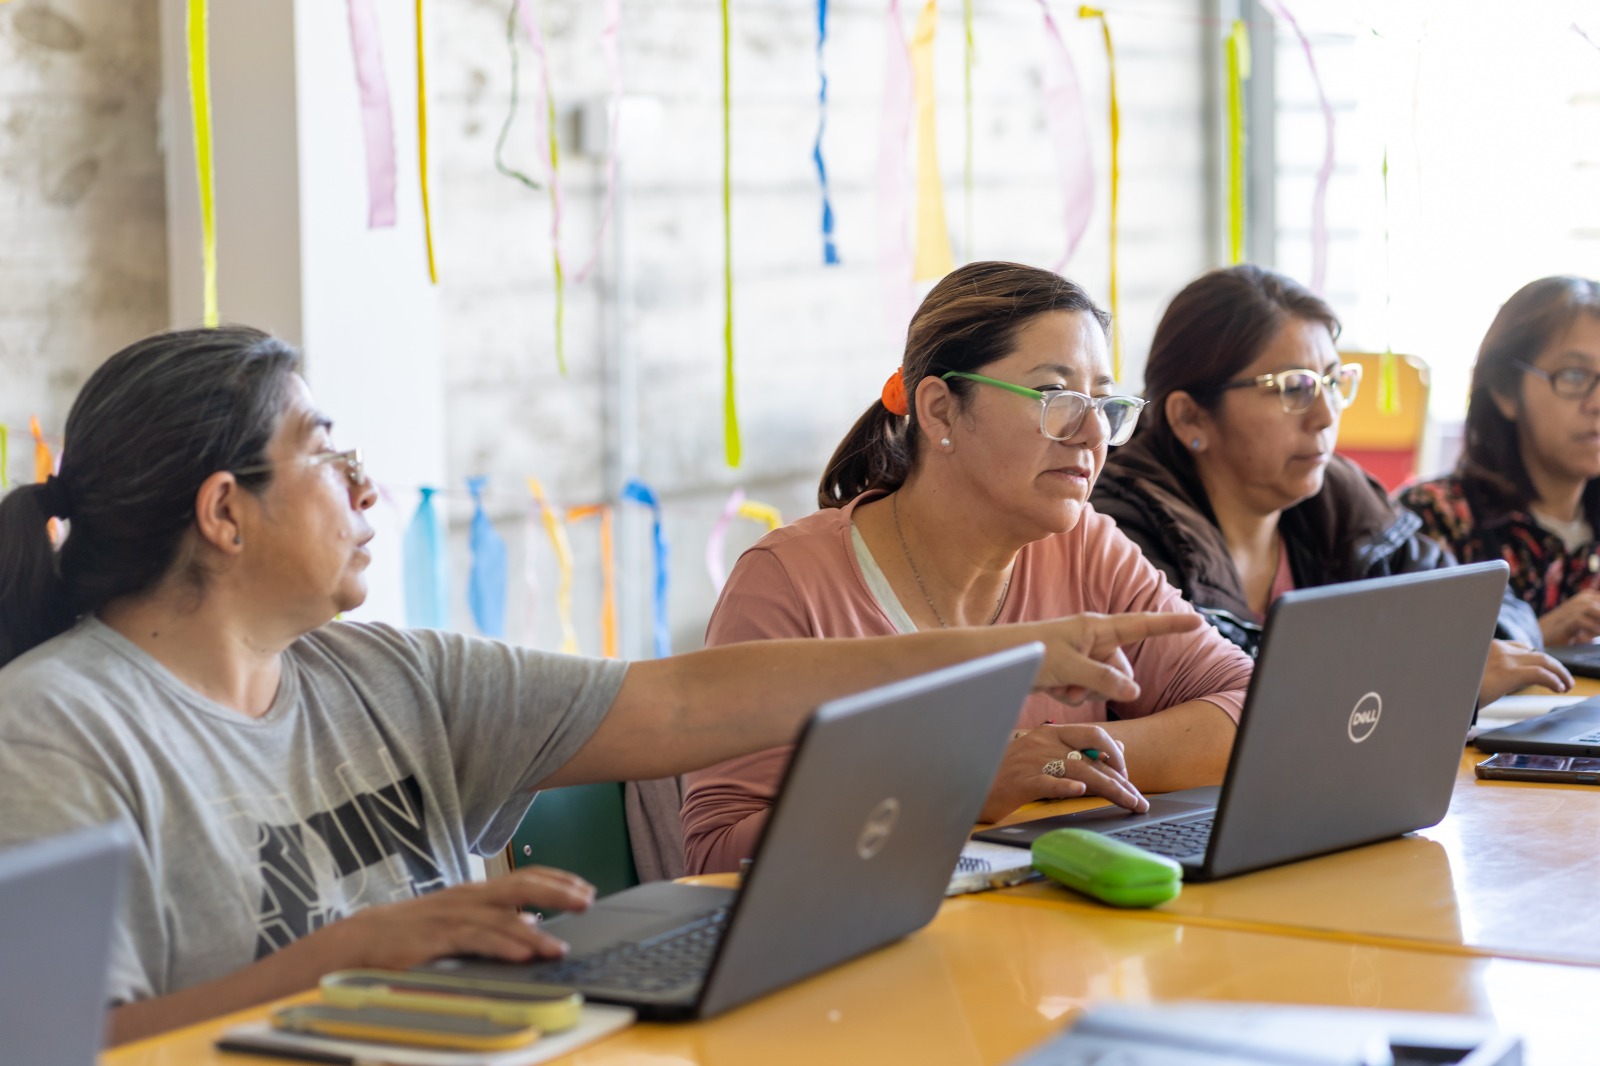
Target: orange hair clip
[{"x": 894, "y": 395}]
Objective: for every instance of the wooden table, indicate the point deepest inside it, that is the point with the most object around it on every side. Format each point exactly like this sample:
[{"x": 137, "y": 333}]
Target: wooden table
[{"x": 987, "y": 980}]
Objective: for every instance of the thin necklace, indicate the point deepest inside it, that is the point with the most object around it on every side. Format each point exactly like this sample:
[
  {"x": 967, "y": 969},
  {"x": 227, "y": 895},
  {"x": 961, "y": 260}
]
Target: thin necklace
[{"x": 894, "y": 508}]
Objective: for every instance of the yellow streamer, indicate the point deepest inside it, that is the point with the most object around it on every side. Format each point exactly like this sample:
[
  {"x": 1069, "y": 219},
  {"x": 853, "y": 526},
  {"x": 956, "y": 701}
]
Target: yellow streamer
[
  {"x": 971, "y": 55},
  {"x": 422, "y": 141},
  {"x": 1087, "y": 12},
  {"x": 932, "y": 257},
  {"x": 555, "y": 229},
  {"x": 608, "y": 572},
  {"x": 5, "y": 451},
  {"x": 557, "y": 533},
  {"x": 761, "y": 512},
  {"x": 43, "y": 463},
  {"x": 1389, "y": 382},
  {"x": 205, "y": 166},
  {"x": 730, "y": 407},
  {"x": 1238, "y": 51}
]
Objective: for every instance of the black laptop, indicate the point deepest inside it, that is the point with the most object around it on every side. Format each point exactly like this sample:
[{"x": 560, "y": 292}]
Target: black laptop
[
  {"x": 1571, "y": 730},
  {"x": 1351, "y": 732},
  {"x": 880, "y": 796},
  {"x": 1581, "y": 660}
]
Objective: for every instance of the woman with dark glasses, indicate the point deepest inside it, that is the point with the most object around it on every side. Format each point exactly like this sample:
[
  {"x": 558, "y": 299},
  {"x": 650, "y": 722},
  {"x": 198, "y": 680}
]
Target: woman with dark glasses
[
  {"x": 1527, "y": 489},
  {"x": 961, "y": 499},
  {"x": 1232, "y": 488}
]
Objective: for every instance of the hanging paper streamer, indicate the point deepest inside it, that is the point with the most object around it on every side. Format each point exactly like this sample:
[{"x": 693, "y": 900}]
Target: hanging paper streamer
[
  {"x": 830, "y": 251},
  {"x": 500, "y": 163},
  {"x": 546, "y": 109},
  {"x": 1086, "y": 12},
  {"x": 1238, "y": 50},
  {"x": 563, "y": 549},
  {"x": 427, "y": 577},
  {"x": 1069, "y": 129},
  {"x": 640, "y": 493},
  {"x": 730, "y": 408},
  {"x": 44, "y": 463},
  {"x": 204, "y": 165},
  {"x": 611, "y": 48},
  {"x": 5, "y": 457},
  {"x": 422, "y": 140},
  {"x": 1388, "y": 364},
  {"x": 377, "y": 116},
  {"x": 608, "y": 574},
  {"x": 894, "y": 173},
  {"x": 933, "y": 258},
  {"x": 486, "y": 583},
  {"x": 1319, "y": 198},
  {"x": 969, "y": 56},
  {"x": 736, "y": 507}
]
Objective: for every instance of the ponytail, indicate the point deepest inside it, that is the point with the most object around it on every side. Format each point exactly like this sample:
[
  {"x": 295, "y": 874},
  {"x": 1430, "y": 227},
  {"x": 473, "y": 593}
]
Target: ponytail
[
  {"x": 875, "y": 454},
  {"x": 33, "y": 599}
]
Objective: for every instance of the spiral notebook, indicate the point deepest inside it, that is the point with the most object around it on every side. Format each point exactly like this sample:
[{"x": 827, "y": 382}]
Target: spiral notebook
[{"x": 983, "y": 866}]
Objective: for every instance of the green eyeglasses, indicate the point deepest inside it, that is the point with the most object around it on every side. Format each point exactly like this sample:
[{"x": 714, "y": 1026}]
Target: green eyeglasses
[
  {"x": 1061, "y": 411},
  {"x": 350, "y": 460}
]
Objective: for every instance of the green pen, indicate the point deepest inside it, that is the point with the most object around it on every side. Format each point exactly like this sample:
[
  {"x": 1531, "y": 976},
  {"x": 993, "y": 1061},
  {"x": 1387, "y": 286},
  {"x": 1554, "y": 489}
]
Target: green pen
[{"x": 1093, "y": 753}]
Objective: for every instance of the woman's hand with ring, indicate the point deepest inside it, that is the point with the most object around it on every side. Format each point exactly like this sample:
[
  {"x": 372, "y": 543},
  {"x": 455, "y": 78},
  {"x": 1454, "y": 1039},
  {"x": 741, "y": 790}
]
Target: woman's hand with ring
[{"x": 1049, "y": 763}]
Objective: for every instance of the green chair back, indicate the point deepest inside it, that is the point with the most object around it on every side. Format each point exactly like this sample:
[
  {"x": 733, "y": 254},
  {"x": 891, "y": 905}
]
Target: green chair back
[{"x": 581, "y": 829}]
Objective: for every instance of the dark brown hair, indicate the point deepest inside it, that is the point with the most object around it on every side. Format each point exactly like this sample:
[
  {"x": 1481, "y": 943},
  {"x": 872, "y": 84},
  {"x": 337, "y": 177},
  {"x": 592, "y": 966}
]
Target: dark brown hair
[
  {"x": 969, "y": 320},
  {"x": 1218, "y": 325},
  {"x": 1536, "y": 316},
  {"x": 149, "y": 427}
]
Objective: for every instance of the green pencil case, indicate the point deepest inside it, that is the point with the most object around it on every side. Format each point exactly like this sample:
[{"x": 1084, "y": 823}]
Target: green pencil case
[{"x": 1109, "y": 870}]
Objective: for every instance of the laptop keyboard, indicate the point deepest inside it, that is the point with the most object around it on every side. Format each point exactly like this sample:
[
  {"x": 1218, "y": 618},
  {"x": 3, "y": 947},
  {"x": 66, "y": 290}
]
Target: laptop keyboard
[
  {"x": 1175, "y": 840},
  {"x": 675, "y": 959}
]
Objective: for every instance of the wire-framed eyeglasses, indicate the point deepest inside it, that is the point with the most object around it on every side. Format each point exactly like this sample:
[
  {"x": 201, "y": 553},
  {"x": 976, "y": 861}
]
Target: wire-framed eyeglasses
[
  {"x": 1299, "y": 389},
  {"x": 1569, "y": 383},
  {"x": 350, "y": 459},
  {"x": 1061, "y": 411}
]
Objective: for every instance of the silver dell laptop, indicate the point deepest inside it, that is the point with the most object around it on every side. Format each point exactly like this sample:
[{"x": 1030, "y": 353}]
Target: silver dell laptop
[
  {"x": 877, "y": 802},
  {"x": 58, "y": 903},
  {"x": 1351, "y": 733}
]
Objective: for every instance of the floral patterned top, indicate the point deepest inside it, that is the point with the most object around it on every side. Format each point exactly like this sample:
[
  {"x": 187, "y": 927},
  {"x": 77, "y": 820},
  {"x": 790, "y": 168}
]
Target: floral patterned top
[{"x": 1543, "y": 573}]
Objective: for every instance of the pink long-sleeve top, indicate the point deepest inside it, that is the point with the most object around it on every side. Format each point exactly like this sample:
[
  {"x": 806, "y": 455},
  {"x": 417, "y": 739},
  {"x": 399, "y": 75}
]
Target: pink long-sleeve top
[{"x": 804, "y": 581}]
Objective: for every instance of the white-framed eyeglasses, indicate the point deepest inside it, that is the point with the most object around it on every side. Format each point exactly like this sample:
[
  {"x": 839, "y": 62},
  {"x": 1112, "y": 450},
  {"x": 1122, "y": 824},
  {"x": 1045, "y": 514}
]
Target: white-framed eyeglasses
[
  {"x": 349, "y": 459},
  {"x": 1299, "y": 389}
]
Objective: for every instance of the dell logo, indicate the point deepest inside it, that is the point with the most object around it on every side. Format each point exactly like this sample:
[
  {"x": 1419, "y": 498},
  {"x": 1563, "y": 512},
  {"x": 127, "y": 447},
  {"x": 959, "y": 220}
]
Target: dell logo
[
  {"x": 1364, "y": 719},
  {"x": 879, "y": 824}
]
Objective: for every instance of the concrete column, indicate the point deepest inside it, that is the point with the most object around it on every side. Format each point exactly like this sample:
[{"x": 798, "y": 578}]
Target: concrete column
[{"x": 294, "y": 252}]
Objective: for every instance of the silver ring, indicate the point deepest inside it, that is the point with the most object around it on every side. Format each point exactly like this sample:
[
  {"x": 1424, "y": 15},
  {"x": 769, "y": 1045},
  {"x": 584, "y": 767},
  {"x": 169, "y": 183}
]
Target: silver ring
[
  {"x": 1075, "y": 756},
  {"x": 1055, "y": 768}
]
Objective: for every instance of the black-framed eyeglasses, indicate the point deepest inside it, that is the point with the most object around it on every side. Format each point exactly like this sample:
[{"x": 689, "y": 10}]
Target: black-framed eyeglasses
[
  {"x": 1062, "y": 411},
  {"x": 1569, "y": 383},
  {"x": 1299, "y": 389},
  {"x": 350, "y": 459}
]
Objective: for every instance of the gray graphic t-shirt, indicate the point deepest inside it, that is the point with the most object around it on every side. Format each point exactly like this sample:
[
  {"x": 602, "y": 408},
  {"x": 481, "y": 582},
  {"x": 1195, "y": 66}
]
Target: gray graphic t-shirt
[{"x": 388, "y": 757}]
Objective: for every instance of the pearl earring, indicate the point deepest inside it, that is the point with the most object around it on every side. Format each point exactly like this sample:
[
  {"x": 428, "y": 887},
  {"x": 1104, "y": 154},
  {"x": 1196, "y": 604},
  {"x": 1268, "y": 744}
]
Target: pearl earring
[
  {"x": 944, "y": 442},
  {"x": 1195, "y": 444}
]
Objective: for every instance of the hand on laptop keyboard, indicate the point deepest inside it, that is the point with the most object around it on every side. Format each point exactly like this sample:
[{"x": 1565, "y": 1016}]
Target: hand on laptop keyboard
[
  {"x": 1513, "y": 665},
  {"x": 1024, "y": 777}
]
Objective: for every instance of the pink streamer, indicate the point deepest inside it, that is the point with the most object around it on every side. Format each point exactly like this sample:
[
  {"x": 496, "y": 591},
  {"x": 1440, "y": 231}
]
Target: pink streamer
[
  {"x": 715, "y": 546},
  {"x": 894, "y": 177},
  {"x": 610, "y": 45},
  {"x": 1319, "y": 199},
  {"x": 1069, "y": 128},
  {"x": 377, "y": 117}
]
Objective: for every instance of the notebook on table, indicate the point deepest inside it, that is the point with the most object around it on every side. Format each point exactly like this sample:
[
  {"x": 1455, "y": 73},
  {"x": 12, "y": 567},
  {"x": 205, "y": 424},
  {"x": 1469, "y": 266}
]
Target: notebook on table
[
  {"x": 1351, "y": 731},
  {"x": 871, "y": 818},
  {"x": 58, "y": 903}
]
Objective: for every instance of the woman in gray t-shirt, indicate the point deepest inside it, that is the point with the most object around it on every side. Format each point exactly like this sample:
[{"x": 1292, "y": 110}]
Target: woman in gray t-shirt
[{"x": 304, "y": 793}]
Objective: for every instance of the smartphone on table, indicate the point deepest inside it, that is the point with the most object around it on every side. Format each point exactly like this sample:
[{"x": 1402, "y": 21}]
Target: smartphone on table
[
  {"x": 393, "y": 1025},
  {"x": 1555, "y": 769},
  {"x": 548, "y": 1008}
]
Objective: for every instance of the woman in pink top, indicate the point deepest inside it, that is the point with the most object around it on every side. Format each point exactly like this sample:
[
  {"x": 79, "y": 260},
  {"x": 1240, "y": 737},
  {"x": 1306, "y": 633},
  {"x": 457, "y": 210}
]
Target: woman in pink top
[{"x": 961, "y": 499}]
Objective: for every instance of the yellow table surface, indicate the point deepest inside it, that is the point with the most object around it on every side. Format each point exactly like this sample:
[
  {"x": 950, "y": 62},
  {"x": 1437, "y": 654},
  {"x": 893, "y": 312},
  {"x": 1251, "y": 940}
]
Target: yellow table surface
[
  {"x": 986, "y": 980},
  {"x": 1512, "y": 871}
]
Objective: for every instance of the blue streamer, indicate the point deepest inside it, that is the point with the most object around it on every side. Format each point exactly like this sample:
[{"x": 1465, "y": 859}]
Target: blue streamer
[
  {"x": 640, "y": 493},
  {"x": 427, "y": 580},
  {"x": 830, "y": 251},
  {"x": 486, "y": 586}
]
